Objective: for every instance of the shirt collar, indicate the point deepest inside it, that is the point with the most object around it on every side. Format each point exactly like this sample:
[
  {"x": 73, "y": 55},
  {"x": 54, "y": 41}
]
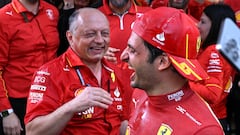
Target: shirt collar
[
  {"x": 132, "y": 9},
  {"x": 73, "y": 60},
  {"x": 19, "y": 8}
]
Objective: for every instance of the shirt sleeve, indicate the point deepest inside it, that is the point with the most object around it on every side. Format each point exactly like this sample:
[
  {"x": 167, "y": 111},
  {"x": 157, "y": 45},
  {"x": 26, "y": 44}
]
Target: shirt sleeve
[
  {"x": 4, "y": 49},
  {"x": 44, "y": 96},
  {"x": 219, "y": 72}
]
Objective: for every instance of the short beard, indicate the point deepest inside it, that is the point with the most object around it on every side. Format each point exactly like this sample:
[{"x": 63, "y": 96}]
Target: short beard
[
  {"x": 32, "y": 1},
  {"x": 118, "y": 4}
]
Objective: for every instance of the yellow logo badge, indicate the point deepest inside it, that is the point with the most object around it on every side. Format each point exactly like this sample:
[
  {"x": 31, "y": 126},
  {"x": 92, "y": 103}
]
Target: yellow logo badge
[
  {"x": 164, "y": 130},
  {"x": 113, "y": 77},
  {"x": 127, "y": 131},
  {"x": 78, "y": 92}
]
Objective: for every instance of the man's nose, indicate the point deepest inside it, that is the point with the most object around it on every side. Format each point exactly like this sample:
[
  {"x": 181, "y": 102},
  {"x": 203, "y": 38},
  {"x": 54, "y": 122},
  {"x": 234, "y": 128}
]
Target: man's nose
[{"x": 124, "y": 56}]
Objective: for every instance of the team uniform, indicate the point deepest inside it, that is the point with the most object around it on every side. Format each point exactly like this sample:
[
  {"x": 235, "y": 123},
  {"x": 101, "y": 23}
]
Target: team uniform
[
  {"x": 27, "y": 41},
  {"x": 196, "y": 8},
  {"x": 161, "y": 110},
  {"x": 182, "y": 106},
  {"x": 215, "y": 89},
  {"x": 47, "y": 95}
]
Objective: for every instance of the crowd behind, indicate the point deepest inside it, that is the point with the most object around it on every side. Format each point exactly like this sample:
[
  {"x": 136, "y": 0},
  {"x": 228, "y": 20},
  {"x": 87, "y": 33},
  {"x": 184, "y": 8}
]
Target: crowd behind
[{"x": 41, "y": 46}]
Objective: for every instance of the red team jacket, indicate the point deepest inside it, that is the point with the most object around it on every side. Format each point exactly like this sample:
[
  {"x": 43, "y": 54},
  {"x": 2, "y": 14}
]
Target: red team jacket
[
  {"x": 221, "y": 74},
  {"x": 182, "y": 112},
  {"x": 24, "y": 47},
  {"x": 57, "y": 82}
]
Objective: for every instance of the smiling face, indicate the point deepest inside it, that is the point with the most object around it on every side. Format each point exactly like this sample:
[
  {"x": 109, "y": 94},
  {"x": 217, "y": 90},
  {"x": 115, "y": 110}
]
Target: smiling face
[
  {"x": 204, "y": 26},
  {"x": 137, "y": 57},
  {"x": 90, "y": 39}
]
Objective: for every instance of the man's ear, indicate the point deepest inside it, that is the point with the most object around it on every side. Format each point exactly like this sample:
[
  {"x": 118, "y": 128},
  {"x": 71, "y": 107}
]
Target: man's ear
[
  {"x": 69, "y": 37},
  {"x": 163, "y": 62}
]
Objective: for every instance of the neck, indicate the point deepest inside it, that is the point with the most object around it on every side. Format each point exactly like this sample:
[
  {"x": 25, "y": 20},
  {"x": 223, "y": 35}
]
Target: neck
[
  {"x": 169, "y": 84},
  {"x": 31, "y": 5},
  {"x": 121, "y": 10}
]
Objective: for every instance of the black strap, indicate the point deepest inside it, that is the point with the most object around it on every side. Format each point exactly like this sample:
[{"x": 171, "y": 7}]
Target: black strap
[{"x": 24, "y": 17}]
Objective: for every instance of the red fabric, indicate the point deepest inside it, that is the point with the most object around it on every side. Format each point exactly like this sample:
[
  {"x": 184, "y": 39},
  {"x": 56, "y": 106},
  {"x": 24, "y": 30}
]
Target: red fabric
[
  {"x": 159, "y": 3},
  {"x": 24, "y": 47},
  {"x": 196, "y": 8},
  {"x": 178, "y": 113},
  {"x": 120, "y": 27},
  {"x": 138, "y": 97},
  {"x": 215, "y": 89},
  {"x": 235, "y": 4},
  {"x": 59, "y": 91}
]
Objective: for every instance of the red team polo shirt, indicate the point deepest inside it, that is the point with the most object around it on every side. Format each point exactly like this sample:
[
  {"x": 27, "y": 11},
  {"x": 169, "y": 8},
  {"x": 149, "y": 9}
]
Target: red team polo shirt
[
  {"x": 24, "y": 47},
  {"x": 57, "y": 82},
  {"x": 179, "y": 113}
]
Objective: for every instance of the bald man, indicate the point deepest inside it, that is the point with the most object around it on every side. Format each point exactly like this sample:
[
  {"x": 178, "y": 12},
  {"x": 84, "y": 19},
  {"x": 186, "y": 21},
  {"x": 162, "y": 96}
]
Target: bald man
[{"x": 79, "y": 92}]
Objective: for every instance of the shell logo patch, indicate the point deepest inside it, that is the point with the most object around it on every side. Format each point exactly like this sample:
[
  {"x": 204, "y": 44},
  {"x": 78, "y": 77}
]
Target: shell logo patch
[
  {"x": 164, "y": 130},
  {"x": 228, "y": 85},
  {"x": 117, "y": 93},
  {"x": 237, "y": 14},
  {"x": 78, "y": 92}
]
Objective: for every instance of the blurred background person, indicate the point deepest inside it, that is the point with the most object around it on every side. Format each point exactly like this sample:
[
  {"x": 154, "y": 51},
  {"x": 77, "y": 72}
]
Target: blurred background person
[
  {"x": 4, "y": 2},
  {"x": 65, "y": 12},
  {"x": 216, "y": 88},
  {"x": 28, "y": 39}
]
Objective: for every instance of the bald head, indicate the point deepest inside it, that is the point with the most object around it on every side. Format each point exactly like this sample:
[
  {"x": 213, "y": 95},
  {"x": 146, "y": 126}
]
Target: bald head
[{"x": 86, "y": 15}]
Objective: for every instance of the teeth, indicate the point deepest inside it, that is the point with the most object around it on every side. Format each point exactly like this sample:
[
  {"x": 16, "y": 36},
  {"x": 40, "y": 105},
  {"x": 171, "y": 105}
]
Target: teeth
[
  {"x": 96, "y": 48},
  {"x": 130, "y": 68}
]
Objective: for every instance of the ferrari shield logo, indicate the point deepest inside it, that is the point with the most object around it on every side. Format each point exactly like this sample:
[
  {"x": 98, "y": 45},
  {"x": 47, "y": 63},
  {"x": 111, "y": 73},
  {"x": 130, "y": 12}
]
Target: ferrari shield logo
[{"x": 164, "y": 130}]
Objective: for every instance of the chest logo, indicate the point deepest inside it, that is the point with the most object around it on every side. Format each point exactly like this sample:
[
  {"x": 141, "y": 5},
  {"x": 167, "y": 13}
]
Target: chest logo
[
  {"x": 164, "y": 130},
  {"x": 49, "y": 13}
]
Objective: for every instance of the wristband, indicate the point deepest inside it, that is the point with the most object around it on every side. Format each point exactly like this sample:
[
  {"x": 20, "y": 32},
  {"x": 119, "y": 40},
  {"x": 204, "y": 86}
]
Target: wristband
[{"x": 5, "y": 113}]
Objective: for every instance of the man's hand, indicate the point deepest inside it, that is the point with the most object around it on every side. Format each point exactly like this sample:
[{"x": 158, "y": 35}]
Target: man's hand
[
  {"x": 89, "y": 97},
  {"x": 11, "y": 125},
  {"x": 110, "y": 54}
]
